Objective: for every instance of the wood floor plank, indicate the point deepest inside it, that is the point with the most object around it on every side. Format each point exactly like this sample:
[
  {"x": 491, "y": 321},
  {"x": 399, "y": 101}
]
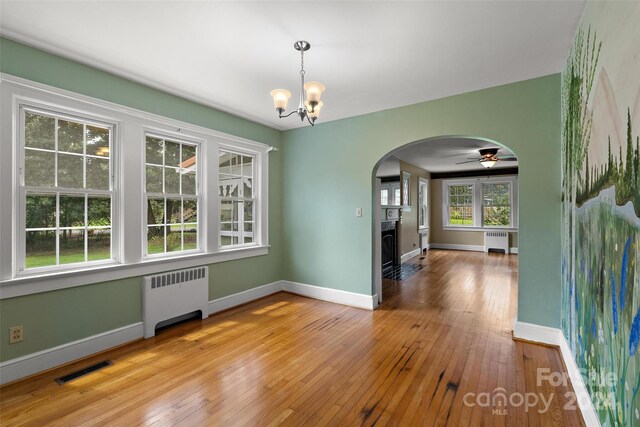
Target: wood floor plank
[{"x": 439, "y": 342}]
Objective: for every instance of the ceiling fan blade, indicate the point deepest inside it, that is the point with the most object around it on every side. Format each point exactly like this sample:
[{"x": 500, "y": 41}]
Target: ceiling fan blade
[
  {"x": 507, "y": 158},
  {"x": 470, "y": 161}
]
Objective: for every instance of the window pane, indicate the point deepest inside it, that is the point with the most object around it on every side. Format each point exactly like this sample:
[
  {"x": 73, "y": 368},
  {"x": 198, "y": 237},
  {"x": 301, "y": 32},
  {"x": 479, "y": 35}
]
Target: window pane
[
  {"x": 190, "y": 210},
  {"x": 39, "y": 131},
  {"x": 174, "y": 238},
  {"x": 496, "y": 204},
  {"x": 98, "y": 141},
  {"x": 225, "y": 240},
  {"x": 247, "y": 168},
  {"x": 190, "y": 236},
  {"x": 155, "y": 211},
  {"x": 172, "y": 180},
  {"x": 225, "y": 163},
  {"x": 189, "y": 182},
  {"x": 99, "y": 211},
  {"x": 40, "y": 248},
  {"x": 174, "y": 211},
  {"x": 70, "y": 138},
  {"x": 71, "y": 246},
  {"x": 154, "y": 179},
  {"x": 97, "y": 174},
  {"x": 154, "y": 149},
  {"x": 171, "y": 153},
  {"x": 70, "y": 170},
  {"x": 99, "y": 244},
  {"x": 228, "y": 211},
  {"x": 236, "y": 168},
  {"x": 247, "y": 187},
  {"x": 71, "y": 211},
  {"x": 461, "y": 204},
  {"x": 155, "y": 240},
  {"x": 384, "y": 197},
  {"x": 41, "y": 211},
  {"x": 396, "y": 197},
  {"x": 248, "y": 211},
  {"x": 39, "y": 168}
]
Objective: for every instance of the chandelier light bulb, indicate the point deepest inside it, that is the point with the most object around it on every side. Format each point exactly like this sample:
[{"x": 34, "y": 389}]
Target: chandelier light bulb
[
  {"x": 314, "y": 91},
  {"x": 280, "y": 98}
]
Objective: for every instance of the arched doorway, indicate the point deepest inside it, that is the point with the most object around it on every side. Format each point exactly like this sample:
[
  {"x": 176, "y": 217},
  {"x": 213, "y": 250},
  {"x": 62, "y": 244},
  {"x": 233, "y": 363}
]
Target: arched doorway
[{"x": 463, "y": 190}]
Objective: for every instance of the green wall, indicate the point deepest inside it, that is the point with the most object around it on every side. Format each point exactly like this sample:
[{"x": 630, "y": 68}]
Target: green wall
[
  {"x": 58, "y": 317},
  {"x": 316, "y": 181},
  {"x": 328, "y": 173}
]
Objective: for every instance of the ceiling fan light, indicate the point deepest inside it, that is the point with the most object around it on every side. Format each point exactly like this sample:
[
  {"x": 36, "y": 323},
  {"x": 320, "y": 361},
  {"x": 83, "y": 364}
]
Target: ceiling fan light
[
  {"x": 313, "y": 111},
  {"x": 314, "y": 91},
  {"x": 280, "y": 98},
  {"x": 487, "y": 163}
]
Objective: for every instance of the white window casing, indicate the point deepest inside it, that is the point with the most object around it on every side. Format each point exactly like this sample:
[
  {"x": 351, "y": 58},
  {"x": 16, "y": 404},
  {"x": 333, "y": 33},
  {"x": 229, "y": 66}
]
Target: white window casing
[
  {"x": 477, "y": 204},
  {"x": 129, "y": 127}
]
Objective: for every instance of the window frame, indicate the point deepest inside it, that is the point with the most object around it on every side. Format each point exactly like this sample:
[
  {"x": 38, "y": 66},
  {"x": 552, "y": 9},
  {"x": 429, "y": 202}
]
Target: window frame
[
  {"x": 255, "y": 200},
  {"x": 128, "y": 214},
  {"x": 477, "y": 204},
  {"x": 21, "y": 189},
  {"x": 182, "y": 139},
  {"x": 423, "y": 201}
]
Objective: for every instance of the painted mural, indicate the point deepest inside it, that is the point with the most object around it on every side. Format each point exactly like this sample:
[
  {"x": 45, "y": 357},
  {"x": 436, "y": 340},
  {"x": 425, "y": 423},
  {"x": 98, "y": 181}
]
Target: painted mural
[{"x": 601, "y": 208}]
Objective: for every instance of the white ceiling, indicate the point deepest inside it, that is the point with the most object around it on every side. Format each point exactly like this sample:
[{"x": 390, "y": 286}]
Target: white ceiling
[
  {"x": 443, "y": 155},
  {"x": 371, "y": 56}
]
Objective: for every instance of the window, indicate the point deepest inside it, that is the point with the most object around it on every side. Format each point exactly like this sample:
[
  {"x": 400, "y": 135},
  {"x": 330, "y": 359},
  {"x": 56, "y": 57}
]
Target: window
[
  {"x": 172, "y": 197},
  {"x": 396, "y": 196},
  {"x": 67, "y": 190},
  {"x": 479, "y": 203},
  {"x": 384, "y": 197},
  {"x": 238, "y": 199},
  {"x": 423, "y": 207},
  {"x": 460, "y": 209},
  {"x": 496, "y": 204},
  {"x": 62, "y": 159}
]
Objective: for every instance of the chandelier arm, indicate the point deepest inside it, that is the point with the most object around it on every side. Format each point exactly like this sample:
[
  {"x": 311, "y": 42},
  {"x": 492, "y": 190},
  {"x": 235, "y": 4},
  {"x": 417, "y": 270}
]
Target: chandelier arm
[
  {"x": 311, "y": 122},
  {"x": 287, "y": 115}
]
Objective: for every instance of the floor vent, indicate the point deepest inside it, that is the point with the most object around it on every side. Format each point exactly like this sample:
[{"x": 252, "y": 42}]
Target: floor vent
[{"x": 83, "y": 372}]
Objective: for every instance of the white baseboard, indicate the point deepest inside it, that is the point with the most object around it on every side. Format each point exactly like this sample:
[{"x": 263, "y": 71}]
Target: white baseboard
[
  {"x": 368, "y": 302},
  {"x": 455, "y": 247},
  {"x": 33, "y": 363},
  {"x": 513, "y": 250},
  {"x": 409, "y": 255},
  {"x": 554, "y": 336},
  {"x": 244, "y": 297}
]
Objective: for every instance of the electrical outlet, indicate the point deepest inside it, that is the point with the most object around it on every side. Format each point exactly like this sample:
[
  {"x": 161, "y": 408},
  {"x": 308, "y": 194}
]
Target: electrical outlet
[{"x": 16, "y": 334}]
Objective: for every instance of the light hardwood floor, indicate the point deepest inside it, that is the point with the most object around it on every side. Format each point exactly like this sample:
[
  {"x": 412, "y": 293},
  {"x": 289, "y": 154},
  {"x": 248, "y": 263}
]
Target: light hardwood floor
[{"x": 440, "y": 339}]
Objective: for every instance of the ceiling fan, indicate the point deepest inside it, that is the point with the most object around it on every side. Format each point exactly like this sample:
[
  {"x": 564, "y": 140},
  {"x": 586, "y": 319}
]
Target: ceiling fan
[{"x": 489, "y": 157}]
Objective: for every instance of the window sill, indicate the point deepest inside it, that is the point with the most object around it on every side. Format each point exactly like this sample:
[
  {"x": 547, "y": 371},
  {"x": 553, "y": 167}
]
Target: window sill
[
  {"x": 44, "y": 282},
  {"x": 471, "y": 228}
]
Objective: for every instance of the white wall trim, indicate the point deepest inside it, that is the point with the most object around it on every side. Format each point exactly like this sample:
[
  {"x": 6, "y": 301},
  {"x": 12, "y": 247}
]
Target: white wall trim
[
  {"x": 368, "y": 302},
  {"x": 513, "y": 250},
  {"x": 454, "y": 247},
  {"x": 230, "y": 301},
  {"x": 414, "y": 253},
  {"x": 555, "y": 337},
  {"x": 33, "y": 363},
  {"x": 43, "y": 360}
]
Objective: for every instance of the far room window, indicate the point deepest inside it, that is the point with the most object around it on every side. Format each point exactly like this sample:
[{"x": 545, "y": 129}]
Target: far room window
[
  {"x": 423, "y": 208},
  {"x": 396, "y": 196},
  {"x": 172, "y": 195},
  {"x": 238, "y": 199},
  {"x": 460, "y": 208},
  {"x": 496, "y": 204},
  {"x": 384, "y": 197},
  {"x": 67, "y": 190}
]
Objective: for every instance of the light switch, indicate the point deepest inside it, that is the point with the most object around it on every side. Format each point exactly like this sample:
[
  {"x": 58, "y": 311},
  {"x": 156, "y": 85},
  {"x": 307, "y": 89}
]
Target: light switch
[{"x": 358, "y": 212}]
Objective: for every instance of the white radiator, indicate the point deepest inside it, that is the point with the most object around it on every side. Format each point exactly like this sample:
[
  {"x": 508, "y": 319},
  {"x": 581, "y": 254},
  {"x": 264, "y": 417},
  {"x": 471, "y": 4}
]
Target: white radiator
[
  {"x": 496, "y": 240},
  {"x": 169, "y": 295}
]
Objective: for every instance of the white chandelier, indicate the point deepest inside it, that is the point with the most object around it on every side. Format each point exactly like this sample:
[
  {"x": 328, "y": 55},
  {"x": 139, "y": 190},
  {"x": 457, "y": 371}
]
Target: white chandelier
[{"x": 309, "y": 108}]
